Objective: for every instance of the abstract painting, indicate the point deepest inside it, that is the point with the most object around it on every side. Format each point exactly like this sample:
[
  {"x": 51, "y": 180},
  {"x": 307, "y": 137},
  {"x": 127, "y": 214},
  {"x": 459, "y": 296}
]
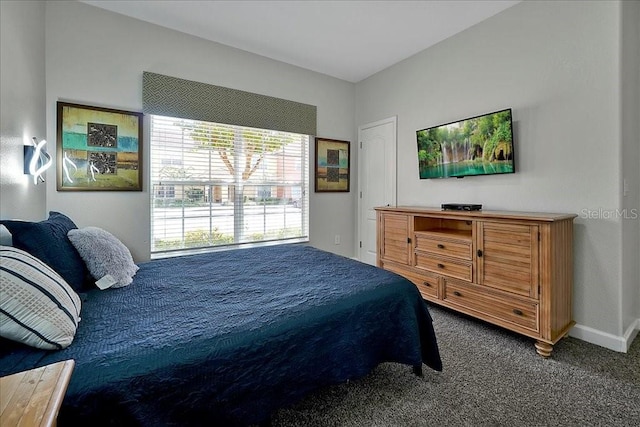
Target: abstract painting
[{"x": 98, "y": 149}]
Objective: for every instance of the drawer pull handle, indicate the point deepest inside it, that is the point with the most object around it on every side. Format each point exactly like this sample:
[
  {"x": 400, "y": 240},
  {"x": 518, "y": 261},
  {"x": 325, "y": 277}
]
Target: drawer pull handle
[
  {"x": 440, "y": 246},
  {"x": 427, "y": 284},
  {"x": 456, "y": 293},
  {"x": 440, "y": 265},
  {"x": 518, "y": 312}
]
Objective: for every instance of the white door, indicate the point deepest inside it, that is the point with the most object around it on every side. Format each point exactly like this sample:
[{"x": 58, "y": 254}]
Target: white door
[{"x": 376, "y": 180}]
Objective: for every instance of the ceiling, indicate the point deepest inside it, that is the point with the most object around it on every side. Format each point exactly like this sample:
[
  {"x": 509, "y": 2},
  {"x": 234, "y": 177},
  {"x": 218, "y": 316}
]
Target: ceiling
[{"x": 350, "y": 40}]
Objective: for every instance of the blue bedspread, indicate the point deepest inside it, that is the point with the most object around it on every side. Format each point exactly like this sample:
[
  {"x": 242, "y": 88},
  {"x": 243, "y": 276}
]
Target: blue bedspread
[{"x": 226, "y": 338}]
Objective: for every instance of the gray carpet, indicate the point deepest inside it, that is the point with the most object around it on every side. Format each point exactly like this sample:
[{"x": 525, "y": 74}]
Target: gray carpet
[{"x": 491, "y": 377}]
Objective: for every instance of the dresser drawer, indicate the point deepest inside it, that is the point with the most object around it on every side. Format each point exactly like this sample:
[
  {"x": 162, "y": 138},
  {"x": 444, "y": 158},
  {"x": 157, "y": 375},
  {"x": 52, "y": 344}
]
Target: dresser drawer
[
  {"x": 445, "y": 266},
  {"x": 427, "y": 283},
  {"x": 492, "y": 306},
  {"x": 451, "y": 248}
]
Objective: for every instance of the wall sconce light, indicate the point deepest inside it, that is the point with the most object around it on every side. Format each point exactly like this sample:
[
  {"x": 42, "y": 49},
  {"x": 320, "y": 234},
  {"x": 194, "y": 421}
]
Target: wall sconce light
[{"x": 36, "y": 160}]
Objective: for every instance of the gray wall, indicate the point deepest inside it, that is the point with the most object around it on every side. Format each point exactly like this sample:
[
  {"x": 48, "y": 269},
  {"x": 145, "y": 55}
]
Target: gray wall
[
  {"x": 557, "y": 64},
  {"x": 97, "y": 57},
  {"x": 630, "y": 92},
  {"x": 22, "y": 106}
]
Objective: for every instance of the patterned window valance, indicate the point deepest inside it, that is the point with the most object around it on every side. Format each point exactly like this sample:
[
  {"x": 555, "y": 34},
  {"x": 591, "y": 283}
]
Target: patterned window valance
[{"x": 174, "y": 97}]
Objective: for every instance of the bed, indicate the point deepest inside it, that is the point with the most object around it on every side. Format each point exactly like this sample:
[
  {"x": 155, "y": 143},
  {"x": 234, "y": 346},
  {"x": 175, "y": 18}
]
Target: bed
[{"x": 226, "y": 338}]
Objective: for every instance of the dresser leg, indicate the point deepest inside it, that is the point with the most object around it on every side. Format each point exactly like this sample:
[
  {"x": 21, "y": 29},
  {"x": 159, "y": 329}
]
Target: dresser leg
[{"x": 544, "y": 349}]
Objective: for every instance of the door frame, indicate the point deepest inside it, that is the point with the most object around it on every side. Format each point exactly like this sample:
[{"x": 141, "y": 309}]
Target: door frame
[{"x": 394, "y": 176}]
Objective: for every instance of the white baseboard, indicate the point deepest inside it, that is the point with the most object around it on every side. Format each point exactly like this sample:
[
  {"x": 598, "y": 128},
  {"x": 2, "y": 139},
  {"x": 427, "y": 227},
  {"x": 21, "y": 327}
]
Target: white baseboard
[
  {"x": 632, "y": 332},
  {"x": 605, "y": 339}
]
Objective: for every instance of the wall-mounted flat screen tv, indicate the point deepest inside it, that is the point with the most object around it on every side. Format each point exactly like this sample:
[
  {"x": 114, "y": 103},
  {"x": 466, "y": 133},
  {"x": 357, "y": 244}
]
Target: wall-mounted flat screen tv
[{"x": 481, "y": 145}]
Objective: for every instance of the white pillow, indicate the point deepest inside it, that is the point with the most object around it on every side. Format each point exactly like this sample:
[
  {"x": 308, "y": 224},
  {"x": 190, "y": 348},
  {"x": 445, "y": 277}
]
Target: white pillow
[
  {"x": 37, "y": 307},
  {"x": 104, "y": 254}
]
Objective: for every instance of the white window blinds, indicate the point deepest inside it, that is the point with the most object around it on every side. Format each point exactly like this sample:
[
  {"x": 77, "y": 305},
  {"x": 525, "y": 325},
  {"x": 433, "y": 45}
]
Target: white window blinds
[{"x": 216, "y": 185}]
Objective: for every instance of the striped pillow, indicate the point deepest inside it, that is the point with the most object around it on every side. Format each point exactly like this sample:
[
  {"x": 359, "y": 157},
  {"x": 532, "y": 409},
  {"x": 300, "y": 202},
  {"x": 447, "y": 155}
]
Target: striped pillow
[{"x": 37, "y": 307}]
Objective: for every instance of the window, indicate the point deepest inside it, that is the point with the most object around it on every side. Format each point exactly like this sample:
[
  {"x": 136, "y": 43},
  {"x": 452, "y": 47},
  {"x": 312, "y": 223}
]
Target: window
[{"x": 218, "y": 185}]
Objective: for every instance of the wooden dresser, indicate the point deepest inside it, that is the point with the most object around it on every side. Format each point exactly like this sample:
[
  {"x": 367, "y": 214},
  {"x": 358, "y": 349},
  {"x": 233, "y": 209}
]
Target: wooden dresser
[{"x": 512, "y": 269}]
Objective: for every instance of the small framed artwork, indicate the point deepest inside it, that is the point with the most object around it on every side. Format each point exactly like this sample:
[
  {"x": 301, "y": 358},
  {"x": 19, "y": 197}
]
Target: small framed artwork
[
  {"x": 98, "y": 149},
  {"x": 332, "y": 165}
]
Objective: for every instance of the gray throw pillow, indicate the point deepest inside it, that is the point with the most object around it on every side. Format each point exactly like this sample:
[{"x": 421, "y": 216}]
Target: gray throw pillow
[{"x": 104, "y": 254}]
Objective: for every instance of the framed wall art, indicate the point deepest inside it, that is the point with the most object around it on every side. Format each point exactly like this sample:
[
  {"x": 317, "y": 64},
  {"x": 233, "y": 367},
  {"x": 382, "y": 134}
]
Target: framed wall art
[
  {"x": 332, "y": 165},
  {"x": 98, "y": 149}
]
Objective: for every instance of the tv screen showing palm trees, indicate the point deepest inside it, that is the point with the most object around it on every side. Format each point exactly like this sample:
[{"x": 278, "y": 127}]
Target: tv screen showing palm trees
[{"x": 481, "y": 145}]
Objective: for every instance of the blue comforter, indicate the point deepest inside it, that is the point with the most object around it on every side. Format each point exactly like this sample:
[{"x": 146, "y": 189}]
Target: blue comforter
[{"x": 226, "y": 338}]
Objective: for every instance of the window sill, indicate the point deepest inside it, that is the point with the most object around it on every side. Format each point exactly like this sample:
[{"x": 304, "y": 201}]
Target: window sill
[{"x": 183, "y": 252}]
